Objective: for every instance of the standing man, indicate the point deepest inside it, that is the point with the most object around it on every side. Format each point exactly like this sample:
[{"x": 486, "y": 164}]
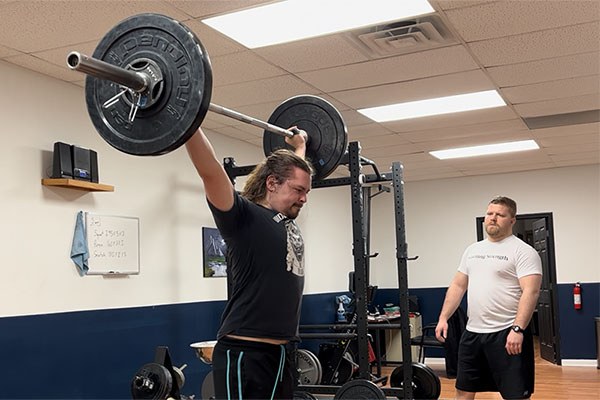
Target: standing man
[
  {"x": 503, "y": 276},
  {"x": 265, "y": 266}
]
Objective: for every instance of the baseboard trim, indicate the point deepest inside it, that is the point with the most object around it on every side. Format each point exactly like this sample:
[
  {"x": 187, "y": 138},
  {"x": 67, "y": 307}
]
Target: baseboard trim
[
  {"x": 565, "y": 363},
  {"x": 579, "y": 363},
  {"x": 435, "y": 361}
]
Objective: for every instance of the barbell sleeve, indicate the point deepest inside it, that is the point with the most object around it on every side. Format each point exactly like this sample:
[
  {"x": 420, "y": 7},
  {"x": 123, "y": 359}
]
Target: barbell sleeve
[
  {"x": 139, "y": 82},
  {"x": 135, "y": 81}
]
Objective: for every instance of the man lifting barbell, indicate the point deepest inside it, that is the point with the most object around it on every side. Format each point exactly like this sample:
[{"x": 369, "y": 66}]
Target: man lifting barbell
[{"x": 265, "y": 254}]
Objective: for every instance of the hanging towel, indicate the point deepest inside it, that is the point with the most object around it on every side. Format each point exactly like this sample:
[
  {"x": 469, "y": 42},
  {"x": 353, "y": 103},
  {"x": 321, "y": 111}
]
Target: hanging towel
[{"x": 79, "y": 247}]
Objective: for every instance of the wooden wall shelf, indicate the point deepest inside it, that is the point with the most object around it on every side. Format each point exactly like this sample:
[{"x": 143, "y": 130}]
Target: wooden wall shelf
[{"x": 77, "y": 184}]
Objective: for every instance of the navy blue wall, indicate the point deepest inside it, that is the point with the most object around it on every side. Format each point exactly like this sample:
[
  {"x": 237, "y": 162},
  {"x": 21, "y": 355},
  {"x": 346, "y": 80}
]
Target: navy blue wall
[
  {"x": 577, "y": 327},
  {"x": 94, "y": 354}
]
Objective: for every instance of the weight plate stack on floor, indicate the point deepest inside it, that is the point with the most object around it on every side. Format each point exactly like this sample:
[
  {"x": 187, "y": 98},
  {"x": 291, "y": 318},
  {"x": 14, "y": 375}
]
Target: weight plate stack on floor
[
  {"x": 426, "y": 384},
  {"x": 151, "y": 381}
]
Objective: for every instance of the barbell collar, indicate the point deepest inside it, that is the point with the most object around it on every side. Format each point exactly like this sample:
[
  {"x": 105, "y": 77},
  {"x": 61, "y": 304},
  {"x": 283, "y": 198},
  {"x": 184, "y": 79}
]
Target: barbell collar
[{"x": 136, "y": 81}]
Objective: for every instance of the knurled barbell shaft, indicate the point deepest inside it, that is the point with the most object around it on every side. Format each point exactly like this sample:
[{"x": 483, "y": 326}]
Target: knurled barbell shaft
[{"x": 139, "y": 82}]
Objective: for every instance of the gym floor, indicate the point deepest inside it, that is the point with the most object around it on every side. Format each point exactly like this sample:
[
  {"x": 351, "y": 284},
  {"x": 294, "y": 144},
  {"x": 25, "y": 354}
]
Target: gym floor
[{"x": 553, "y": 382}]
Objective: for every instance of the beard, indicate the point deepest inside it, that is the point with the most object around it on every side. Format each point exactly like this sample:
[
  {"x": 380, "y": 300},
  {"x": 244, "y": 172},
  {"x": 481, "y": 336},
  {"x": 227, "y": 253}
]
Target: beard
[
  {"x": 492, "y": 230},
  {"x": 292, "y": 212}
]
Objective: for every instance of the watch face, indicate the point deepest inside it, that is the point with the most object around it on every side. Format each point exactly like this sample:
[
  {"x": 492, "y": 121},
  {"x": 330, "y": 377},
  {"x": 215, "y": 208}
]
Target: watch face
[{"x": 517, "y": 328}]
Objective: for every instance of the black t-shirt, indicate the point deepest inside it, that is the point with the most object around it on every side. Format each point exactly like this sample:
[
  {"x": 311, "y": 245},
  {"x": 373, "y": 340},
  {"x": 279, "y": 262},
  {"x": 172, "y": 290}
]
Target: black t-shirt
[{"x": 265, "y": 268}]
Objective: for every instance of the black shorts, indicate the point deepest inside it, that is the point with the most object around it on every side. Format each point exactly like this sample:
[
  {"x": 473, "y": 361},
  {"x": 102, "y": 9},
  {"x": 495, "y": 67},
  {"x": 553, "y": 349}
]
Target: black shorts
[
  {"x": 251, "y": 370},
  {"x": 485, "y": 366}
]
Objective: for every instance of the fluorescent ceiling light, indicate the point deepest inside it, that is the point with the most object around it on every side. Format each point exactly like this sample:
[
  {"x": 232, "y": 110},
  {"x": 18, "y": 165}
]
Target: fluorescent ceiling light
[
  {"x": 438, "y": 106},
  {"x": 290, "y": 20},
  {"x": 487, "y": 149}
]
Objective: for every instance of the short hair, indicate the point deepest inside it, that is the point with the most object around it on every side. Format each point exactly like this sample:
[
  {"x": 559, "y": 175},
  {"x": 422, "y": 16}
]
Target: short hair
[
  {"x": 280, "y": 164},
  {"x": 507, "y": 202}
]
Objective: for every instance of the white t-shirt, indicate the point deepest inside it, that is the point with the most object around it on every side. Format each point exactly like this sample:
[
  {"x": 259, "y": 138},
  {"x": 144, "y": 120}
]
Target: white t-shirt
[{"x": 494, "y": 269}]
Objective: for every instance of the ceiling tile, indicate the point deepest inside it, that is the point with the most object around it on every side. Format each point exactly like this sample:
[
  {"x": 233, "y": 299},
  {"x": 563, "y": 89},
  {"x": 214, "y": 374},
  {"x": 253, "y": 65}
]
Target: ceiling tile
[
  {"x": 441, "y": 61},
  {"x": 261, "y": 91},
  {"x": 373, "y": 142},
  {"x": 462, "y": 131},
  {"x": 588, "y": 157},
  {"x": 389, "y": 151},
  {"x": 64, "y": 23},
  {"x": 504, "y": 169},
  {"x": 546, "y": 70},
  {"x": 235, "y": 133},
  {"x": 426, "y": 88},
  {"x": 241, "y": 67},
  {"x": 313, "y": 54},
  {"x": 566, "y": 130},
  {"x": 482, "y": 22},
  {"x": 559, "y": 106},
  {"x": 364, "y": 131},
  {"x": 552, "y": 90},
  {"x": 569, "y": 148},
  {"x": 592, "y": 139},
  {"x": 538, "y": 45}
]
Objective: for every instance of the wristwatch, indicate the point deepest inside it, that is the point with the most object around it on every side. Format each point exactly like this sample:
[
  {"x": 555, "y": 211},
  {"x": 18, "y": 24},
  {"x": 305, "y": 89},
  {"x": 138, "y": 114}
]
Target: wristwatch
[{"x": 517, "y": 329}]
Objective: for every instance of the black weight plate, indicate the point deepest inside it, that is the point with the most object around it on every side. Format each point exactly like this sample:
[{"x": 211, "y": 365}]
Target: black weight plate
[
  {"x": 426, "y": 384},
  {"x": 328, "y": 136},
  {"x": 152, "y": 381},
  {"x": 300, "y": 395},
  {"x": 359, "y": 389},
  {"x": 186, "y": 87}
]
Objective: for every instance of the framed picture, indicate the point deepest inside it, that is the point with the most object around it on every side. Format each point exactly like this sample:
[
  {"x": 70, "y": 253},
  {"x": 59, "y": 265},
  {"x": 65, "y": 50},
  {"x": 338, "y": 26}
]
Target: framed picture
[{"x": 213, "y": 252}]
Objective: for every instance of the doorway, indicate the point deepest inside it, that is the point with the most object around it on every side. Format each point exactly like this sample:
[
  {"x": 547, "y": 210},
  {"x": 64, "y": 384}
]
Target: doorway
[{"x": 537, "y": 230}]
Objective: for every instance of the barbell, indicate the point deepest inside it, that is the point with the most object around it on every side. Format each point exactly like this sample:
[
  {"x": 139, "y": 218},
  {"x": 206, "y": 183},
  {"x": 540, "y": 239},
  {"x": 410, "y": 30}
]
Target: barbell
[{"x": 149, "y": 85}]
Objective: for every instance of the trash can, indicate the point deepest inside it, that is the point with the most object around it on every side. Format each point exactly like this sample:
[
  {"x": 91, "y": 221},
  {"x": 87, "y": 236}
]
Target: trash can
[{"x": 598, "y": 341}]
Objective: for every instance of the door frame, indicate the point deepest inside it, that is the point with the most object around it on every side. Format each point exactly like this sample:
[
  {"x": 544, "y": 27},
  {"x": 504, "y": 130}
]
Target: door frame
[{"x": 551, "y": 268}]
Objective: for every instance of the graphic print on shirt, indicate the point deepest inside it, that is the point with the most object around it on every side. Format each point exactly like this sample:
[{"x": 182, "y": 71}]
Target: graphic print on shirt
[{"x": 295, "y": 248}]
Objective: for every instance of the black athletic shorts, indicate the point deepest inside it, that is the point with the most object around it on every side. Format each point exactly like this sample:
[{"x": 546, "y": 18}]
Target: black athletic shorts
[
  {"x": 251, "y": 370},
  {"x": 485, "y": 366}
]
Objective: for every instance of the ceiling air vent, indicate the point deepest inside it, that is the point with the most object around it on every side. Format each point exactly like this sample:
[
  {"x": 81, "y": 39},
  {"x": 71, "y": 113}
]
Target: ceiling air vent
[{"x": 402, "y": 37}]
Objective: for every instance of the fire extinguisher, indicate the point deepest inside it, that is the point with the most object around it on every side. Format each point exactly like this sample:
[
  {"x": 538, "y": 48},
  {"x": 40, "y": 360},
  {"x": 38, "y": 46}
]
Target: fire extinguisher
[{"x": 577, "y": 296}]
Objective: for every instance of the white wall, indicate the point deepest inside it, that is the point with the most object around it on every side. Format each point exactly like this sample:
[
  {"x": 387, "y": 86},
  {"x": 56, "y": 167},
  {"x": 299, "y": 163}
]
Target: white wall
[
  {"x": 440, "y": 222},
  {"x": 164, "y": 192}
]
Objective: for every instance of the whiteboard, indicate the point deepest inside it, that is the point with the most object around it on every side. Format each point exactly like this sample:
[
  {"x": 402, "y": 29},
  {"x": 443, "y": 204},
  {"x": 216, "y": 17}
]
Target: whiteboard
[{"x": 113, "y": 244}]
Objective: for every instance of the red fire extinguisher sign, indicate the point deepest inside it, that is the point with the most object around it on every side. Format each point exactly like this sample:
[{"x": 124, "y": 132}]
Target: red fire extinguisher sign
[{"x": 577, "y": 296}]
